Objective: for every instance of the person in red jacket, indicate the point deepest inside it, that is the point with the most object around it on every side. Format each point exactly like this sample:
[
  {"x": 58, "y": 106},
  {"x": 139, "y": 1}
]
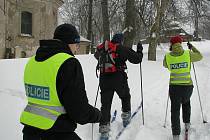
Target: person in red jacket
[{"x": 113, "y": 78}]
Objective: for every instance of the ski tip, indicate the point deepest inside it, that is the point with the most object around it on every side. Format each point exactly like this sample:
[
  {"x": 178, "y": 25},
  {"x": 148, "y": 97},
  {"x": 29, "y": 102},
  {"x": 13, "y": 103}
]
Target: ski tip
[
  {"x": 115, "y": 112},
  {"x": 114, "y": 116},
  {"x": 205, "y": 121}
]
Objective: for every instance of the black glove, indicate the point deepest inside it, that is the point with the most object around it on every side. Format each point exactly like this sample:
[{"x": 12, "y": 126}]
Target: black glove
[
  {"x": 189, "y": 45},
  {"x": 139, "y": 47},
  {"x": 98, "y": 115}
]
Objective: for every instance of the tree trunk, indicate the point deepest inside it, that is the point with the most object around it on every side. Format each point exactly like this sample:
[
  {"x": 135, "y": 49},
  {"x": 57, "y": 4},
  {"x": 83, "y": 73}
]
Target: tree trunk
[
  {"x": 161, "y": 6},
  {"x": 130, "y": 21},
  {"x": 105, "y": 18},
  {"x": 153, "y": 41},
  {"x": 196, "y": 18},
  {"x": 89, "y": 31}
]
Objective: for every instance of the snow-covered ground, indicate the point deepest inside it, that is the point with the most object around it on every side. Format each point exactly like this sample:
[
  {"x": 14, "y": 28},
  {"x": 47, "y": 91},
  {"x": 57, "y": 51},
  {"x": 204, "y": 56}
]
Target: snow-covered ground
[{"x": 155, "y": 89}]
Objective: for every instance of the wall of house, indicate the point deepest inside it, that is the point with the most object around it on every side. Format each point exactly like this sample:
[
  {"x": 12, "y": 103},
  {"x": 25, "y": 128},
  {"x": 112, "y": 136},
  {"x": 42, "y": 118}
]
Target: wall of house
[
  {"x": 44, "y": 22},
  {"x": 83, "y": 47}
]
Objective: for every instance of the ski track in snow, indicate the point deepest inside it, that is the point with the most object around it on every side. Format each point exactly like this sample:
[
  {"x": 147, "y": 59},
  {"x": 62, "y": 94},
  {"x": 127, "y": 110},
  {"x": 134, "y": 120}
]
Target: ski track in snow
[{"x": 13, "y": 92}]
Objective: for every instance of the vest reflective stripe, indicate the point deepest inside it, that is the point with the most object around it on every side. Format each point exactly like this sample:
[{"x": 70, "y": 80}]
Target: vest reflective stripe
[
  {"x": 179, "y": 66},
  {"x": 41, "y": 112},
  {"x": 180, "y": 74},
  {"x": 180, "y": 79},
  {"x": 44, "y": 106},
  {"x": 59, "y": 109}
]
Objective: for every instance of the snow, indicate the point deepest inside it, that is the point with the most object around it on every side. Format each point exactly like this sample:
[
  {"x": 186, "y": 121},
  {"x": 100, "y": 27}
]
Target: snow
[{"x": 155, "y": 89}]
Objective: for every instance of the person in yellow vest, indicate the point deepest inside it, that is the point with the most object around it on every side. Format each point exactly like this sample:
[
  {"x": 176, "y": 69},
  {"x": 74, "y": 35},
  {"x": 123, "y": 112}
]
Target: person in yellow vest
[
  {"x": 178, "y": 62},
  {"x": 55, "y": 88}
]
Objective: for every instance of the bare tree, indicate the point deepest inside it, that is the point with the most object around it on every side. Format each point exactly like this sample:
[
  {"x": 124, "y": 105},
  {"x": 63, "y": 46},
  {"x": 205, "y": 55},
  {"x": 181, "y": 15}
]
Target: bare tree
[
  {"x": 205, "y": 20},
  {"x": 89, "y": 30},
  {"x": 116, "y": 15},
  {"x": 76, "y": 13},
  {"x": 145, "y": 18},
  {"x": 161, "y": 6},
  {"x": 105, "y": 18},
  {"x": 196, "y": 5},
  {"x": 130, "y": 21},
  {"x": 200, "y": 14}
]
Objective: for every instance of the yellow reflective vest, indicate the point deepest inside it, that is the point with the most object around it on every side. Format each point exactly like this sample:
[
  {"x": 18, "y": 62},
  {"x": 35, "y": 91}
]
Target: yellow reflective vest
[
  {"x": 43, "y": 106},
  {"x": 180, "y": 67}
]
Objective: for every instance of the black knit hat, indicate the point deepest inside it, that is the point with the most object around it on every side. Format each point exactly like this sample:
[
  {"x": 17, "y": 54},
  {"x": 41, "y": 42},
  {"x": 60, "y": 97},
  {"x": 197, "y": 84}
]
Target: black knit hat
[
  {"x": 117, "y": 38},
  {"x": 67, "y": 33}
]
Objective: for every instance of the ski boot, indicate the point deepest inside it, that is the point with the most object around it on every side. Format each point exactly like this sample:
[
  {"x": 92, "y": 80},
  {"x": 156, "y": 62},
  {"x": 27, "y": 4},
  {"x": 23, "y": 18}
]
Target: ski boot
[
  {"x": 126, "y": 116},
  {"x": 104, "y": 136},
  {"x": 175, "y": 137},
  {"x": 104, "y": 130}
]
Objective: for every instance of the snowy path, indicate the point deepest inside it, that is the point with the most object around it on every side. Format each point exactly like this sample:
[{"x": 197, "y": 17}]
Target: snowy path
[{"x": 155, "y": 83}]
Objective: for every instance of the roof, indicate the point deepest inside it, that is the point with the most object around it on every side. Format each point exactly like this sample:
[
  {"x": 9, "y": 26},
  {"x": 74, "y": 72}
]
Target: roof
[
  {"x": 61, "y": 1},
  {"x": 186, "y": 27},
  {"x": 82, "y": 39}
]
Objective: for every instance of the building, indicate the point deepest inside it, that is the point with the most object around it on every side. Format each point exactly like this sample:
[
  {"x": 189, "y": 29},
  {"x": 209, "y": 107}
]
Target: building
[
  {"x": 23, "y": 23},
  {"x": 84, "y": 43},
  {"x": 170, "y": 31},
  {"x": 173, "y": 30}
]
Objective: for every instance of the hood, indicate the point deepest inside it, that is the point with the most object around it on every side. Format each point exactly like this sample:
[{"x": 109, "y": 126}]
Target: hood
[
  {"x": 49, "y": 48},
  {"x": 177, "y": 49}
]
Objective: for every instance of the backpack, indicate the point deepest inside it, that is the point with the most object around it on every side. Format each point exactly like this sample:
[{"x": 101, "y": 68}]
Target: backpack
[{"x": 107, "y": 57}]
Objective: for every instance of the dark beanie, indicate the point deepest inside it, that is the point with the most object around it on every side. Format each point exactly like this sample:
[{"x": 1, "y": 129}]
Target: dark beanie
[
  {"x": 176, "y": 39},
  {"x": 117, "y": 38},
  {"x": 67, "y": 33}
]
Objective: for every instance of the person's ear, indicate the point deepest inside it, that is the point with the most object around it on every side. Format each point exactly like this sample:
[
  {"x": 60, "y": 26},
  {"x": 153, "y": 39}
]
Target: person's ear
[{"x": 69, "y": 45}]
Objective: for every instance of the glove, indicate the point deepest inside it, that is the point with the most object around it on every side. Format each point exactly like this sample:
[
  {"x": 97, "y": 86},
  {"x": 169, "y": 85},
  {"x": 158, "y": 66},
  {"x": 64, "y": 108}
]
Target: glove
[
  {"x": 139, "y": 47},
  {"x": 189, "y": 45},
  {"x": 98, "y": 115}
]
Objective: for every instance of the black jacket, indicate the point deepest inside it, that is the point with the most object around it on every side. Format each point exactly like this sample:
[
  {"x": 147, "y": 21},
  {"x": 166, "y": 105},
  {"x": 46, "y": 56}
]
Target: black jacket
[
  {"x": 124, "y": 54},
  {"x": 129, "y": 54},
  {"x": 70, "y": 88}
]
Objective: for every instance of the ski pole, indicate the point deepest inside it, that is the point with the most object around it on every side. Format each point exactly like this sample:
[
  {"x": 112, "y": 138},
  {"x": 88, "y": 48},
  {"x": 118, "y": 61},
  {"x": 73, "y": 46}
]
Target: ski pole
[
  {"x": 142, "y": 101},
  {"x": 198, "y": 94},
  {"x": 166, "y": 112},
  {"x": 95, "y": 106},
  {"x": 188, "y": 44}
]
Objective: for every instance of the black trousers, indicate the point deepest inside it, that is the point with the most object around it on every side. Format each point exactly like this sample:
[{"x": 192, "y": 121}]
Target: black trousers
[
  {"x": 52, "y": 136},
  {"x": 109, "y": 84},
  {"x": 180, "y": 96}
]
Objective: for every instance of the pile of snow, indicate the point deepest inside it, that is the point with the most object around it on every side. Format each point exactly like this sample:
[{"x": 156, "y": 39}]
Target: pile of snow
[{"x": 155, "y": 89}]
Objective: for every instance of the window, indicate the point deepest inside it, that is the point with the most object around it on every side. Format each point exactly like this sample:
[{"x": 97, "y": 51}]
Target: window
[{"x": 26, "y": 23}]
